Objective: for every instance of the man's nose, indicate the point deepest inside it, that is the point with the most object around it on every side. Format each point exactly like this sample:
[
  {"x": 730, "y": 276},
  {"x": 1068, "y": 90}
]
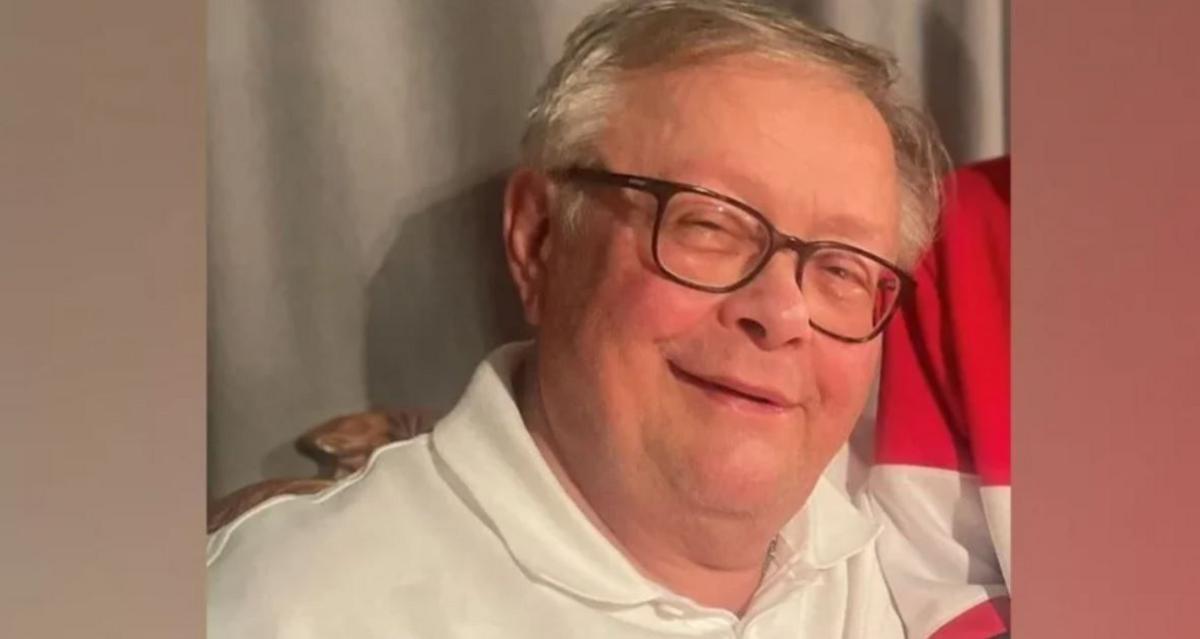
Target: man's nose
[{"x": 770, "y": 310}]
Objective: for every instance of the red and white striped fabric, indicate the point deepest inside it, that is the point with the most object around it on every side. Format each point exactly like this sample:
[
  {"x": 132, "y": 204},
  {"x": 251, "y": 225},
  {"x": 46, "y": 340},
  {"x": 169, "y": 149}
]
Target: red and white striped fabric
[{"x": 942, "y": 472}]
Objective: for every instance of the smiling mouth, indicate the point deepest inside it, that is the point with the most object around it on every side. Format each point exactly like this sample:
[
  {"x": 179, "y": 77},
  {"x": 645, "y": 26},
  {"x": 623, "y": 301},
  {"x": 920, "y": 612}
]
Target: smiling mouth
[{"x": 724, "y": 391}]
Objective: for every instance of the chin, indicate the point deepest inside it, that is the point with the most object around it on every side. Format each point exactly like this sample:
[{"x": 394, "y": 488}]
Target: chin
[{"x": 744, "y": 478}]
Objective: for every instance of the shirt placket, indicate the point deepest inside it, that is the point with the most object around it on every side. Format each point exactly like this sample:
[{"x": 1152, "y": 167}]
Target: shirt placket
[{"x": 783, "y": 594}]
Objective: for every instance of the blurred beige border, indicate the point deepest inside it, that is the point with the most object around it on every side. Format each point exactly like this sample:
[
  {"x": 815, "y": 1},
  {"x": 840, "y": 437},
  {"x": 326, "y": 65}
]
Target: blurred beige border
[{"x": 102, "y": 316}]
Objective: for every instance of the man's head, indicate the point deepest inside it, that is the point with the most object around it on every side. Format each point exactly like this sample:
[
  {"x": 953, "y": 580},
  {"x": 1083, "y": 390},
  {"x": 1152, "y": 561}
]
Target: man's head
[{"x": 661, "y": 400}]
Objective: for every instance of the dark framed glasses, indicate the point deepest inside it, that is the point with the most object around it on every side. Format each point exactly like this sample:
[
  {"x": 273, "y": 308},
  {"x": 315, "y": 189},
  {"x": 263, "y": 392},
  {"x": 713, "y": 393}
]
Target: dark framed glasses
[{"x": 711, "y": 242}]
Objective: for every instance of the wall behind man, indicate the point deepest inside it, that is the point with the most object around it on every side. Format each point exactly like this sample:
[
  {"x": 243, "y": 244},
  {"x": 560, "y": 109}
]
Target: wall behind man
[{"x": 357, "y": 153}]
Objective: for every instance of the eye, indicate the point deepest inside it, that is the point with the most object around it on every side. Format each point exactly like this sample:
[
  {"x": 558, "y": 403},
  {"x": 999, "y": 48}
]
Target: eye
[
  {"x": 838, "y": 271},
  {"x": 842, "y": 273},
  {"x": 704, "y": 224},
  {"x": 700, "y": 221},
  {"x": 843, "y": 270},
  {"x": 705, "y": 220}
]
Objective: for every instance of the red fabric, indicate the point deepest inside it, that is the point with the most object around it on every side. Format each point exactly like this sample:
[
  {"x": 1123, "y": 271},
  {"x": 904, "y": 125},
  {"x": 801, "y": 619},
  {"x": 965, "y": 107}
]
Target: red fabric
[
  {"x": 944, "y": 394},
  {"x": 988, "y": 619}
]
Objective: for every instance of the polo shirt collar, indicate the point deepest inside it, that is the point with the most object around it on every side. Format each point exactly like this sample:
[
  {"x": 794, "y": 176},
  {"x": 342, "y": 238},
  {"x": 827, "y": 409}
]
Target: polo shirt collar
[
  {"x": 485, "y": 445},
  {"x": 829, "y": 530}
]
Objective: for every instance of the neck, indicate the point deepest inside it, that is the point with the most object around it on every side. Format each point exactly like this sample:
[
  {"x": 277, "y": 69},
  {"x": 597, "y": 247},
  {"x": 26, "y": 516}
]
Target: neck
[{"x": 716, "y": 563}]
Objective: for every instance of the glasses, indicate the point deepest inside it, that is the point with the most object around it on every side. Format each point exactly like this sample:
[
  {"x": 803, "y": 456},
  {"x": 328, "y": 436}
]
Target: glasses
[{"x": 711, "y": 242}]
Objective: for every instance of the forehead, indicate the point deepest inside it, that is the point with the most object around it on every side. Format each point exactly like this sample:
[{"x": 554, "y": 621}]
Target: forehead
[{"x": 791, "y": 139}]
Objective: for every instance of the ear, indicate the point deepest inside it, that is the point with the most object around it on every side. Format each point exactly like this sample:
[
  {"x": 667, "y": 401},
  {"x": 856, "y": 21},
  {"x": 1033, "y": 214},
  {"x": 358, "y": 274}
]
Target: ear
[{"x": 527, "y": 237}]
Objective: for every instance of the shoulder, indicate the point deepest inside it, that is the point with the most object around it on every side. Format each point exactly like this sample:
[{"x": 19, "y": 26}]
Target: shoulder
[
  {"x": 296, "y": 554},
  {"x": 288, "y": 519}
]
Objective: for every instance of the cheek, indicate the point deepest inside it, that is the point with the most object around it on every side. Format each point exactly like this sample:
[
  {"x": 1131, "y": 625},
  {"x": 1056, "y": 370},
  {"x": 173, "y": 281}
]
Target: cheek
[
  {"x": 647, "y": 308},
  {"x": 609, "y": 292},
  {"x": 609, "y": 312},
  {"x": 844, "y": 379},
  {"x": 632, "y": 314},
  {"x": 656, "y": 310}
]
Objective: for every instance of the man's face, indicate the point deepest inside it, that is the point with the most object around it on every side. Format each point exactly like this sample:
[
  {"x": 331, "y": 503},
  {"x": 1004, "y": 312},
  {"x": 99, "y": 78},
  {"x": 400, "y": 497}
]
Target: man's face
[{"x": 661, "y": 399}]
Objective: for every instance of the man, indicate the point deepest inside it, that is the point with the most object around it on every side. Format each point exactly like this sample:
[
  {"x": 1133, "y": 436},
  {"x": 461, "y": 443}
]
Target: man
[{"x": 708, "y": 233}]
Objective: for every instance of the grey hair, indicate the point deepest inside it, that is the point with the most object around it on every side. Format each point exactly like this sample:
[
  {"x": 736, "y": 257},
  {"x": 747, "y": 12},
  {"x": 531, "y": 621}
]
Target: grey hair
[{"x": 570, "y": 108}]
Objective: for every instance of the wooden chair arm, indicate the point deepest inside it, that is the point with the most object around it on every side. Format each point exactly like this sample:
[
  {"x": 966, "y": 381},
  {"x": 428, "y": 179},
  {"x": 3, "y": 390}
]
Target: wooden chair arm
[{"x": 340, "y": 446}]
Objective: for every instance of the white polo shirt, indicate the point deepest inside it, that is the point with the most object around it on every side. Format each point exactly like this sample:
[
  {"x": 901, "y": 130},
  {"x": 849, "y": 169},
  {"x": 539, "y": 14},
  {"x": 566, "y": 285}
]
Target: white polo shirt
[{"x": 467, "y": 533}]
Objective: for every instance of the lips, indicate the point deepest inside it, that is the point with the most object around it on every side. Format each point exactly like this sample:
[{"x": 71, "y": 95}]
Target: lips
[{"x": 737, "y": 388}]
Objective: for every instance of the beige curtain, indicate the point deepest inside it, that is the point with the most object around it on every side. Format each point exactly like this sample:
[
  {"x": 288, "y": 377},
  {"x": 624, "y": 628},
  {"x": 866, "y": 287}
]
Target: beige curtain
[{"x": 357, "y": 152}]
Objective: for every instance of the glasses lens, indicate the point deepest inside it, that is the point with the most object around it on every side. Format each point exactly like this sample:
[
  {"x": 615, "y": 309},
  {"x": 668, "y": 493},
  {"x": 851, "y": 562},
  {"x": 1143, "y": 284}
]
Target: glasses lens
[
  {"x": 709, "y": 242},
  {"x": 848, "y": 294}
]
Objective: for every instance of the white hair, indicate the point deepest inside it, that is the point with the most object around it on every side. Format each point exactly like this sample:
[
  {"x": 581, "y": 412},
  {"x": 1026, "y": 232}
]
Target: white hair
[{"x": 626, "y": 35}]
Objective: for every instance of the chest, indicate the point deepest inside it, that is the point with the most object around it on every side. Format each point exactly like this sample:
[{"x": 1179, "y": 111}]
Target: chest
[{"x": 491, "y": 604}]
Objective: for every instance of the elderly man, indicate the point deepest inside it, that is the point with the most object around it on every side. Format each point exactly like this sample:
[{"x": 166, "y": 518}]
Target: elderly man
[{"x": 708, "y": 231}]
